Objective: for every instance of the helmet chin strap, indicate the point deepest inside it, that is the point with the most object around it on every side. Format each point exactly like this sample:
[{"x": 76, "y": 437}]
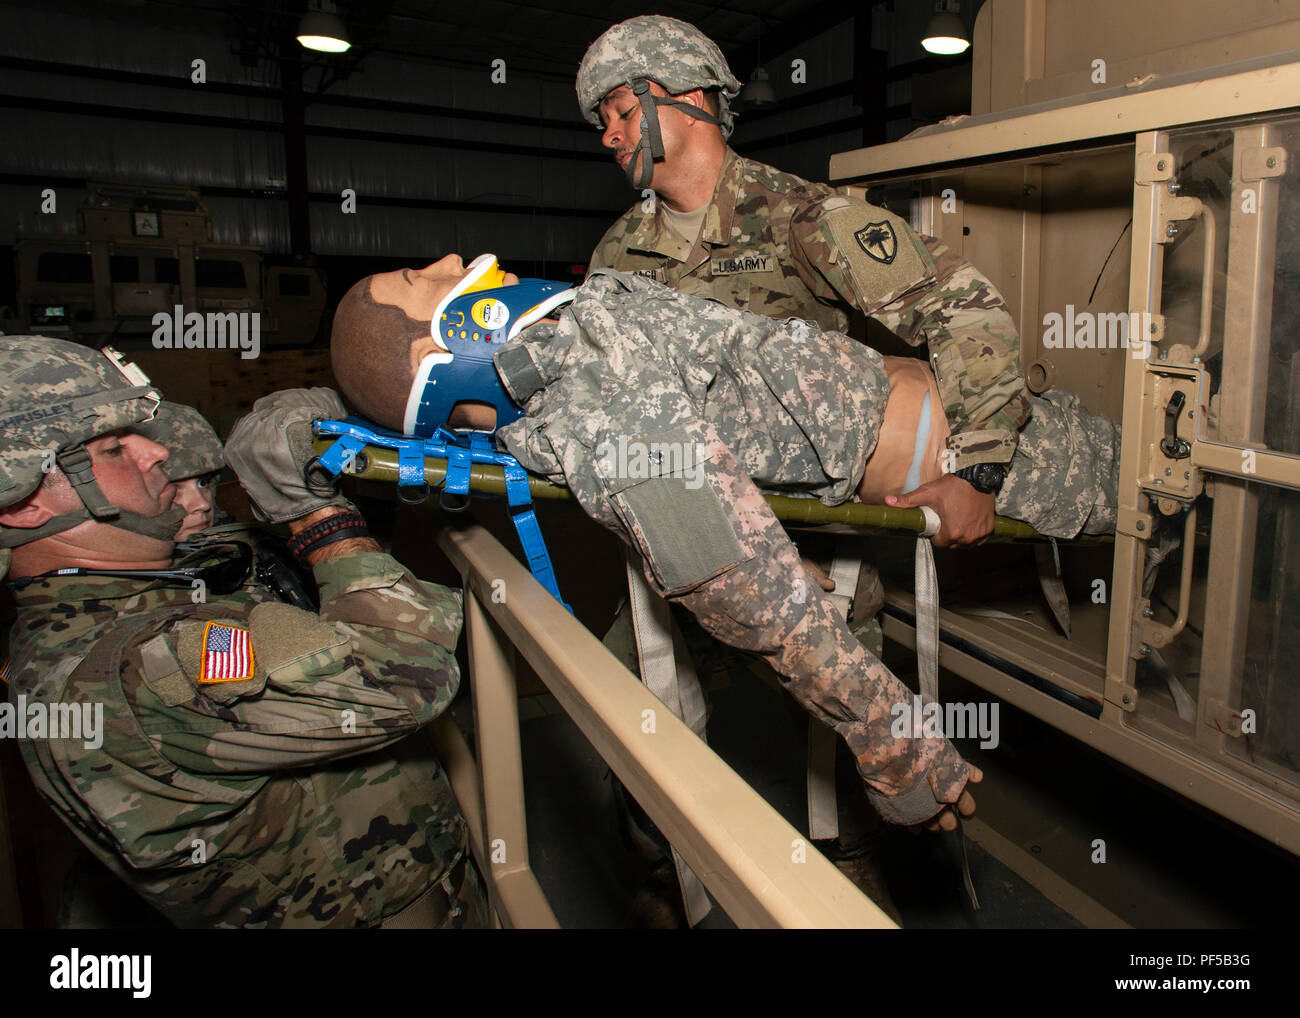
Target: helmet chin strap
[
  {"x": 76, "y": 466},
  {"x": 652, "y": 142}
]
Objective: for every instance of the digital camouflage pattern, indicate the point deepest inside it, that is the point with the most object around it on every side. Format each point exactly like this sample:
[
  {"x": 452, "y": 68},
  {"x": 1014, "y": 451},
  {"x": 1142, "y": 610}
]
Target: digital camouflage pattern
[
  {"x": 674, "y": 53},
  {"x": 636, "y": 361},
  {"x": 780, "y": 246},
  {"x": 55, "y": 395},
  {"x": 193, "y": 447},
  {"x": 291, "y": 800},
  {"x": 1064, "y": 477}
]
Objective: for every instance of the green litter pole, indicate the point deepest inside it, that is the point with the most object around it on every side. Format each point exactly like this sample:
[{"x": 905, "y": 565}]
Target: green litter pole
[{"x": 489, "y": 479}]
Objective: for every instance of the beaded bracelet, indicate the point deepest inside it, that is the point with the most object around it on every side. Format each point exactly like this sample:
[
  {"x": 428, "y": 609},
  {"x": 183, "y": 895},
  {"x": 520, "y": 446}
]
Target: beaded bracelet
[{"x": 339, "y": 527}]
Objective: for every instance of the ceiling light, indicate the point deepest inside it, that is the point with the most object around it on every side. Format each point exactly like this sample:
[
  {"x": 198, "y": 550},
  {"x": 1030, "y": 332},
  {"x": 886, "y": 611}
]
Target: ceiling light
[
  {"x": 758, "y": 91},
  {"x": 323, "y": 31},
  {"x": 946, "y": 33}
]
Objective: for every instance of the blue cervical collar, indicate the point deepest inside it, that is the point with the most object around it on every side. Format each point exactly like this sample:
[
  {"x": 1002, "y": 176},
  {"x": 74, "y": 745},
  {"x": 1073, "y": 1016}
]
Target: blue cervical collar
[{"x": 473, "y": 322}]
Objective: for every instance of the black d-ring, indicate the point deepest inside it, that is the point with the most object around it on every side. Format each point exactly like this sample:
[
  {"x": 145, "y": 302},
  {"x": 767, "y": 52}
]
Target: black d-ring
[
  {"x": 453, "y": 503},
  {"x": 421, "y": 493},
  {"x": 319, "y": 481}
]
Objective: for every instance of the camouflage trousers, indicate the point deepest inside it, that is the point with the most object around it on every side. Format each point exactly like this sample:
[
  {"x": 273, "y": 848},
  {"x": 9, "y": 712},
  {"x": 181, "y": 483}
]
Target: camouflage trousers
[{"x": 1064, "y": 477}]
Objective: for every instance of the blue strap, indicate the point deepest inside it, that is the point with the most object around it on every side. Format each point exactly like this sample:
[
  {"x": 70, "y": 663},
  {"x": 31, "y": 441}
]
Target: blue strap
[
  {"x": 461, "y": 450},
  {"x": 520, "y": 498},
  {"x": 459, "y": 460},
  {"x": 410, "y": 466},
  {"x": 341, "y": 454}
]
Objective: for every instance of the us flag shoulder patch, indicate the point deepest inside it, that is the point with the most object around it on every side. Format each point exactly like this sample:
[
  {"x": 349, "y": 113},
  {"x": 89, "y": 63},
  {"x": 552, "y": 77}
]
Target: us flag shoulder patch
[{"x": 227, "y": 654}]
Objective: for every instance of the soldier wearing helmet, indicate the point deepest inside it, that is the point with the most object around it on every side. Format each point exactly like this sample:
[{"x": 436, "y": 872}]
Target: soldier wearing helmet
[
  {"x": 215, "y": 788},
  {"x": 761, "y": 240},
  {"x": 193, "y": 463}
]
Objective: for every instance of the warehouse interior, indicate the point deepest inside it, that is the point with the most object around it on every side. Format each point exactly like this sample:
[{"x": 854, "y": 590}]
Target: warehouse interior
[{"x": 161, "y": 147}]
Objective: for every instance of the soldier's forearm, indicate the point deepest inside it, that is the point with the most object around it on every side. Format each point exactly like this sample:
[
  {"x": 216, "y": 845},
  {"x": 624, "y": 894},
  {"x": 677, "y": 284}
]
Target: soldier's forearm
[{"x": 348, "y": 546}]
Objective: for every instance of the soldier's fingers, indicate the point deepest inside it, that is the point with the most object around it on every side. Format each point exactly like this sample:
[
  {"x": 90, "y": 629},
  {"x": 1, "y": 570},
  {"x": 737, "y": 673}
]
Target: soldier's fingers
[
  {"x": 965, "y": 804},
  {"x": 819, "y": 574},
  {"x": 976, "y": 775}
]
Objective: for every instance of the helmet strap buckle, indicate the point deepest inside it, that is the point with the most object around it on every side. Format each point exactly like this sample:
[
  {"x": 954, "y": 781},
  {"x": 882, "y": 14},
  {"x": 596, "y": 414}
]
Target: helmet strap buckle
[{"x": 77, "y": 466}]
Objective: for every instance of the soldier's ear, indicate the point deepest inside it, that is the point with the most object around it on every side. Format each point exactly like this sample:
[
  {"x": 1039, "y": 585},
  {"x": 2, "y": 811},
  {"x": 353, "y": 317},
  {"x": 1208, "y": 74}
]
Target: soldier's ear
[
  {"x": 695, "y": 97},
  {"x": 26, "y": 515}
]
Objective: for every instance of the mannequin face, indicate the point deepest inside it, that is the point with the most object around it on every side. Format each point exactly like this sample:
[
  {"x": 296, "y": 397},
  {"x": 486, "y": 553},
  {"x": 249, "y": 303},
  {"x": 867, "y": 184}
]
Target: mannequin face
[
  {"x": 418, "y": 292},
  {"x": 196, "y": 496}
]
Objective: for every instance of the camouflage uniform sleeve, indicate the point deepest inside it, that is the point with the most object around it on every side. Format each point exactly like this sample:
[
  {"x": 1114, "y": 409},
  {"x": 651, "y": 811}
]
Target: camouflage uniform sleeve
[
  {"x": 920, "y": 289},
  {"x": 975, "y": 353},
  {"x": 376, "y": 664}
]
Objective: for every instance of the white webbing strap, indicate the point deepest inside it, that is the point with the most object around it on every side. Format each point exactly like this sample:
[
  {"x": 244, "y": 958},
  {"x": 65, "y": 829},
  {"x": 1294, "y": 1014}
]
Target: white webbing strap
[
  {"x": 667, "y": 671},
  {"x": 927, "y": 609},
  {"x": 823, "y": 804}
]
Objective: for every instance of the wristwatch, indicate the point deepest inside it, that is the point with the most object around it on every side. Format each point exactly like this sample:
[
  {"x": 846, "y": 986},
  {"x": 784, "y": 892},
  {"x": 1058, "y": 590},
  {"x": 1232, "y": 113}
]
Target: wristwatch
[{"x": 984, "y": 477}]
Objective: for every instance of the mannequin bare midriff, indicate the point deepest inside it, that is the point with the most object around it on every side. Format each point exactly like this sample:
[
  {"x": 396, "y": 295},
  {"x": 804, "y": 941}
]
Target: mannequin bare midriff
[{"x": 887, "y": 467}]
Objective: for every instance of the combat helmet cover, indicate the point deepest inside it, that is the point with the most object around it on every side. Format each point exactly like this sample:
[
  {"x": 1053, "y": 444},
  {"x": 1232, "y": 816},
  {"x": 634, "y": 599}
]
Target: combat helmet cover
[
  {"x": 193, "y": 447},
  {"x": 675, "y": 54},
  {"x": 56, "y": 395}
]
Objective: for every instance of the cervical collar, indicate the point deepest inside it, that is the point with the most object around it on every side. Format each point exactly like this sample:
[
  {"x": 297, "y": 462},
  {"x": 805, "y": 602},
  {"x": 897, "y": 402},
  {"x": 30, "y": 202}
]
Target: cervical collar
[{"x": 473, "y": 322}]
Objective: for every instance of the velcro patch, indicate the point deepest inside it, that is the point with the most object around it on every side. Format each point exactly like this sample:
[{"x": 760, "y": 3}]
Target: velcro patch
[
  {"x": 658, "y": 275},
  {"x": 876, "y": 252},
  {"x": 750, "y": 261},
  {"x": 227, "y": 654}
]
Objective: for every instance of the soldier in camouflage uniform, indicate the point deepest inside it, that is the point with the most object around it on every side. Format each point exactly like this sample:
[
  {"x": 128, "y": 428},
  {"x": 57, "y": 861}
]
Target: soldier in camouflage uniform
[
  {"x": 711, "y": 223},
  {"x": 757, "y": 239},
  {"x": 277, "y": 792},
  {"x": 193, "y": 462}
]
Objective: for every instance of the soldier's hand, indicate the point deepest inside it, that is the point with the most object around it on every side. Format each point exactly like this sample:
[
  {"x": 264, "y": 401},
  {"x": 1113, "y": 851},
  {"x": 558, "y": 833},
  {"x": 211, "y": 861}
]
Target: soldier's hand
[
  {"x": 965, "y": 515},
  {"x": 818, "y": 573},
  {"x": 269, "y": 448},
  {"x": 945, "y": 819}
]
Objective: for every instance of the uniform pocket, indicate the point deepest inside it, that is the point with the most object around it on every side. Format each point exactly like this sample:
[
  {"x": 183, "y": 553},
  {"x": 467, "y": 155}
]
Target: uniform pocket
[{"x": 660, "y": 488}]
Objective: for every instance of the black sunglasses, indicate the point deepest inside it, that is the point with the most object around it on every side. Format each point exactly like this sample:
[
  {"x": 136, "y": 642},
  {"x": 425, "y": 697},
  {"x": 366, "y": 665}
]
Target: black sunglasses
[{"x": 222, "y": 568}]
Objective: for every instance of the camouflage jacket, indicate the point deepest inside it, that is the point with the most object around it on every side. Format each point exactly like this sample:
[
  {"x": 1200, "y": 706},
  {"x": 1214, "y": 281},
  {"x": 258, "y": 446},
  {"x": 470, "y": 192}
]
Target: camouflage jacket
[
  {"x": 285, "y": 800},
  {"x": 781, "y": 246},
  {"x": 655, "y": 407}
]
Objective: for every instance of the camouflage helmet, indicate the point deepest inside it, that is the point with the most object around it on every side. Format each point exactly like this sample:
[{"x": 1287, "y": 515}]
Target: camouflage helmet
[
  {"x": 193, "y": 447},
  {"x": 54, "y": 397},
  {"x": 655, "y": 48}
]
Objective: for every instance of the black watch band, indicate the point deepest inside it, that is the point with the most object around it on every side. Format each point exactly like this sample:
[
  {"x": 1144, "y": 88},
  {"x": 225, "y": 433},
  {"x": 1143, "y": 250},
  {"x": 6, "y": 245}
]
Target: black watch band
[{"x": 984, "y": 477}]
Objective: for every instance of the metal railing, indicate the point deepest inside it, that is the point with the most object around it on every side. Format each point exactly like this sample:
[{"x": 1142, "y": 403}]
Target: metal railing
[{"x": 757, "y": 867}]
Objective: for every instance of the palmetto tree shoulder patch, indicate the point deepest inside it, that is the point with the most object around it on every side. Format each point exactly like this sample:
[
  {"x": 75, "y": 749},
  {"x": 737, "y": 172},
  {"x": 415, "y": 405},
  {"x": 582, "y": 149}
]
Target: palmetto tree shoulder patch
[
  {"x": 876, "y": 250},
  {"x": 879, "y": 241}
]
